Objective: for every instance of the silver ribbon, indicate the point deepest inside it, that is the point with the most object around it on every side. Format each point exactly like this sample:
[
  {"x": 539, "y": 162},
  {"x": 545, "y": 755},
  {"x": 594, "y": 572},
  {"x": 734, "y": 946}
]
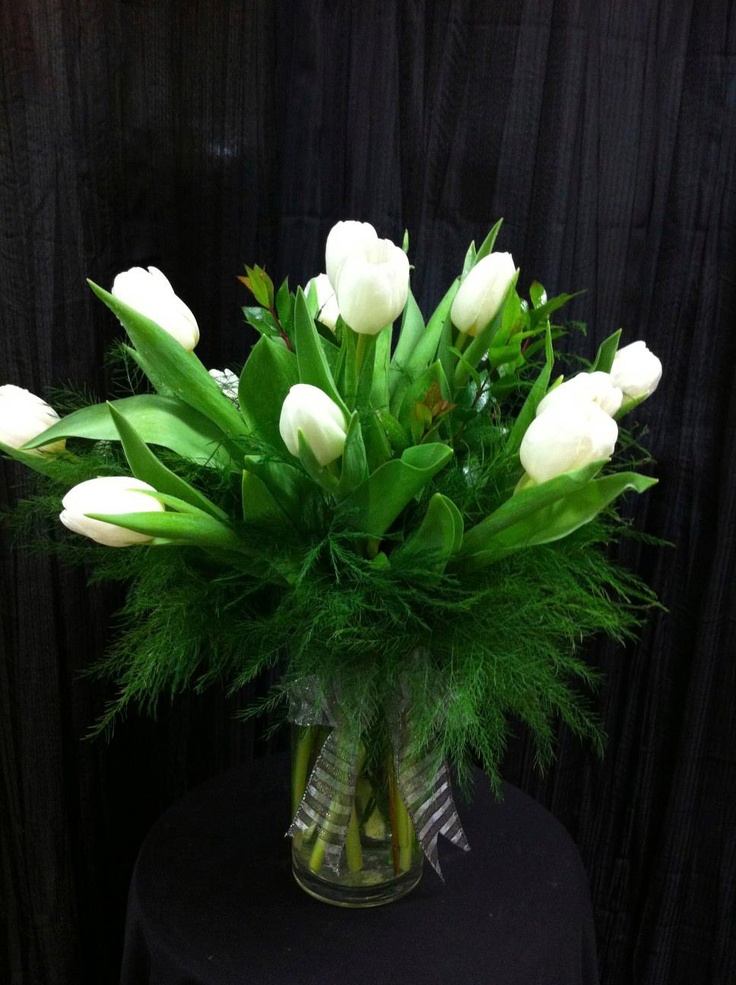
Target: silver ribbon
[{"x": 424, "y": 784}]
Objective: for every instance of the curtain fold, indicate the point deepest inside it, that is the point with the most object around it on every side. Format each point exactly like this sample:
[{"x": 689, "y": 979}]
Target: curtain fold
[{"x": 201, "y": 136}]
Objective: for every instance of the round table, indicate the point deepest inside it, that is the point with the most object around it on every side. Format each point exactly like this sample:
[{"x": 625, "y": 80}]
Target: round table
[{"x": 213, "y": 902}]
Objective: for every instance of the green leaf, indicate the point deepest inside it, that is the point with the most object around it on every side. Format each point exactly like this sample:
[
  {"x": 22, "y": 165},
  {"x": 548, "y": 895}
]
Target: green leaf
[
  {"x": 146, "y": 467},
  {"x": 469, "y": 261},
  {"x": 287, "y": 483},
  {"x": 259, "y": 505},
  {"x": 354, "y": 462},
  {"x": 260, "y": 285},
  {"x": 172, "y": 368},
  {"x": 537, "y": 294},
  {"x": 411, "y": 331},
  {"x": 540, "y": 314},
  {"x": 489, "y": 242},
  {"x": 164, "y": 421},
  {"x": 41, "y": 462},
  {"x": 433, "y": 376},
  {"x": 538, "y": 390},
  {"x": 606, "y": 353},
  {"x": 376, "y": 503},
  {"x": 439, "y": 534},
  {"x": 312, "y": 362},
  {"x": 188, "y": 528},
  {"x": 560, "y": 517},
  {"x": 268, "y": 375},
  {"x": 379, "y": 396},
  {"x": 262, "y": 320}
]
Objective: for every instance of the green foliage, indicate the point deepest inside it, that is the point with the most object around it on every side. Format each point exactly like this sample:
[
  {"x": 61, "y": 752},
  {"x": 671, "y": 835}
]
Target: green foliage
[{"x": 421, "y": 564}]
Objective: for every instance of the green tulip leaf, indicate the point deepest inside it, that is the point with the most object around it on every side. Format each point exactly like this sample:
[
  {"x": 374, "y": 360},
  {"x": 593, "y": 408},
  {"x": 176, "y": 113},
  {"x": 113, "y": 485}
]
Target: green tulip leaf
[
  {"x": 376, "y": 503},
  {"x": 311, "y": 359},
  {"x": 50, "y": 464},
  {"x": 606, "y": 353},
  {"x": 354, "y": 462},
  {"x": 268, "y": 375},
  {"x": 172, "y": 368},
  {"x": 197, "y": 528},
  {"x": 527, "y": 503},
  {"x": 287, "y": 483},
  {"x": 439, "y": 535},
  {"x": 163, "y": 421},
  {"x": 534, "y": 397},
  {"x": 488, "y": 243},
  {"x": 259, "y": 504},
  {"x": 379, "y": 393},
  {"x": 417, "y": 346},
  {"x": 146, "y": 467},
  {"x": 558, "y": 518}
]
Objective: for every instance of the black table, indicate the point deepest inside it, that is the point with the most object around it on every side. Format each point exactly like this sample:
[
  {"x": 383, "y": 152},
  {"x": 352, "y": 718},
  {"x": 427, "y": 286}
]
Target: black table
[{"x": 213, "y": 902}]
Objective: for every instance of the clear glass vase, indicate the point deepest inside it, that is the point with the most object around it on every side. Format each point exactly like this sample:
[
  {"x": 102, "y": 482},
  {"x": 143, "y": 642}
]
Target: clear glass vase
[{"x": 381, "y": 860}]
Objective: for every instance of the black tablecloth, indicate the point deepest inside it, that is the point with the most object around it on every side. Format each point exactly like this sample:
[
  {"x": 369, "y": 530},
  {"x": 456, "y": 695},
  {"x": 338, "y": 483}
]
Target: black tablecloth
[{"x": 213, "y": 902}]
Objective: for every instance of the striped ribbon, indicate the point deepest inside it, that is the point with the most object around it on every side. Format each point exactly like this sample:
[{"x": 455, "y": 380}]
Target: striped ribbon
[{"x": 328, "y": 799}]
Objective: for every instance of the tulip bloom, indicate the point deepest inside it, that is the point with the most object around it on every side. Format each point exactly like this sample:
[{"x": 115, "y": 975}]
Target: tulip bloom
[
  {"x": 343, "y": 239},
  {"x": 372, "y": 286},
  {"x": 568, "y": 436},
  {"x": 23, "y": 416},
  {"x": 149, "y": 293},
  {"x": 482, "y": 292},
  {"x": 636, "y": 370},
  {"x": 109, "y": 495},
  {"x": 327, "y": 309},
  {"x": 597, "y": 387},
  {"x": 309, "y": 410}
]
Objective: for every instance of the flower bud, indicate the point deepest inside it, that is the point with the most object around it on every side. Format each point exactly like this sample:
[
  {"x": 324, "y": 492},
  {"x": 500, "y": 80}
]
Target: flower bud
[
  {"x": 108, "y": 494},
  {"x": 597, "y": 387},
  {"x": 309, "y": 410},
  {"x": 327, "y": 309},
  {"x": 636, "y": 370},
  {"x": 23, "y": 416},
  {"x": 372, "y": 286},
  {"x": 568, "y": 436},
  {"x": 342, "y": 240},
  {"x": 482, "y": 292},
  {"x": 150, "y": 294}
]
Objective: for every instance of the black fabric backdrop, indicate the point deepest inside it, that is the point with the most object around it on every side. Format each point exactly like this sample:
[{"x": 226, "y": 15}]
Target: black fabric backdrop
[{"x": 201, "y": 134}]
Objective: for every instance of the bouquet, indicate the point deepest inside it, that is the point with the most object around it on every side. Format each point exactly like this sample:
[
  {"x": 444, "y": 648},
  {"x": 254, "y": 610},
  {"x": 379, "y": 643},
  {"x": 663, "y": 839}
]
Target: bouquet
[{"x": 410, "y": 525}]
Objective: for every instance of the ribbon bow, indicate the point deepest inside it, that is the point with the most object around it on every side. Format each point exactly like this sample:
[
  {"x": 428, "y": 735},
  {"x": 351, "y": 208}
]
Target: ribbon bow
[{"x": 329, "y": 795}]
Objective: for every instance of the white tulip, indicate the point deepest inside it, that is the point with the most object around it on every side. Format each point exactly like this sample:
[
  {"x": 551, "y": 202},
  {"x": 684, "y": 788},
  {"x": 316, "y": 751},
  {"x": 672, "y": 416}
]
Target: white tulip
[
  {"x": 482, "y": 292},
  {"x": 110, "y": 495},
  {"x": 568, "y": 436},
  {"x": 149, "y": 293},
  {"x": 309, "y": 410},
  {"x": 342, "y": 240},
  {"x": 23, "y": 416},
  {"x": 327, "y": 309},
  {"x": 372, "y": 286},
  {"x": 636, "y": 370},
  {"x": 598, "y": 387}
]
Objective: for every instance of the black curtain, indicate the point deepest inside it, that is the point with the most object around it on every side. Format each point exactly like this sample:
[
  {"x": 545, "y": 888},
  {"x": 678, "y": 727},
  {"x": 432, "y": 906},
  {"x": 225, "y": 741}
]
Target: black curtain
[{"x": 197, "y": 135}]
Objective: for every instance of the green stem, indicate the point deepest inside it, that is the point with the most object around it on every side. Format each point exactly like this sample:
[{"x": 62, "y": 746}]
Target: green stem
[
  {"x": 301, "y": 767},
  {"x": 403, "y": 823},
  {"x": 353, "y": 850},
  {"x": 359, "y": 353}
]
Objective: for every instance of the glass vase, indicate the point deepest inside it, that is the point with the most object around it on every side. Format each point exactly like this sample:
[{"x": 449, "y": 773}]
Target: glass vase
[{"x": 381, "y": 860}]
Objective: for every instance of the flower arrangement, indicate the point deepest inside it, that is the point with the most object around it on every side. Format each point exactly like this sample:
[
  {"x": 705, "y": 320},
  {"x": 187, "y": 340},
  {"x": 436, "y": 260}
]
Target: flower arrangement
[{"x": 402, "y": 520}]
